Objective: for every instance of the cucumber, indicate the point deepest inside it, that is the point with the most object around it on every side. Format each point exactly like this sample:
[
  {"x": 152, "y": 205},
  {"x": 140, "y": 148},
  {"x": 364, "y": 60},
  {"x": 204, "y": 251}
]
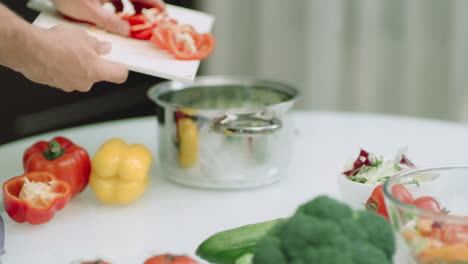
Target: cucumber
[{"x": 227, "y": 246}]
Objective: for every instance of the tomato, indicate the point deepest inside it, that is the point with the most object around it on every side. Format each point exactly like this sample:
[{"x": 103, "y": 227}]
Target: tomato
[
  {"x": 376, "y": 202},
  {"x": 402, "y": 194},
  {"x": 428, "y": 203},
  {"x": 170, "y": 259}
]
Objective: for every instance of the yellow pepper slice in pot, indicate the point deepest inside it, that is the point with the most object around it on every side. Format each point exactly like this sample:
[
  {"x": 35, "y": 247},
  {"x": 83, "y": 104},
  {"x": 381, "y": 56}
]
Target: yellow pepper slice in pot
[
  {"x": 119, "y": 171},
  {"x": 188, "y": 142}
]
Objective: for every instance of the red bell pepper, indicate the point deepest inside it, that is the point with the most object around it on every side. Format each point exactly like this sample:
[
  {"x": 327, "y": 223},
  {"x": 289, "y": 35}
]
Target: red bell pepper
[
  {"x": 34, "y": 197},
  {"x": 67, "y": 161}
]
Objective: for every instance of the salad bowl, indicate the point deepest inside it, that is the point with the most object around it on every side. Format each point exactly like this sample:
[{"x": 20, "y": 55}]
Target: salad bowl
[
  {"x": 433, "y": 223},
  {"x": 360, "y": 177}
]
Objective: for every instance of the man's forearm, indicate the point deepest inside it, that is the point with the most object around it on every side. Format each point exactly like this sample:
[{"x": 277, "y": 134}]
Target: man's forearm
[{"x": 16, "y": 39}]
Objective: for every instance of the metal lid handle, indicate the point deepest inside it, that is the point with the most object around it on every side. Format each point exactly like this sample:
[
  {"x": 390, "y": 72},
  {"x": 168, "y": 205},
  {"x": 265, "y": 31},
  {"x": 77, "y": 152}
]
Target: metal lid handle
[{"x": 246, "y": 125}]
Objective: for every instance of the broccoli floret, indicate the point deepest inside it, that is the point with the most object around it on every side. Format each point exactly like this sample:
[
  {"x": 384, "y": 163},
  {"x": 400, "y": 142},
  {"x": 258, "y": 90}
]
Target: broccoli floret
[
  {"x": 327, "y": 231},
  {"x": 268, "y": 251},
  {"x": 303, "y": 231},
  {"x": 326, "y": 254},
  {"x": 351, "y": 228},
  {"x": 322, "y": 231},
  {"x": 324, "y": 207},
  {"x": 379, "y": 231},
  {"x": 369, "y": 254}
]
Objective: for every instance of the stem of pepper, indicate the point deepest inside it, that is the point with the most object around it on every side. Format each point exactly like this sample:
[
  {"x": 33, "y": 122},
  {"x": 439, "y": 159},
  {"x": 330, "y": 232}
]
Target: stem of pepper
[{"x": 54, "y": 151}]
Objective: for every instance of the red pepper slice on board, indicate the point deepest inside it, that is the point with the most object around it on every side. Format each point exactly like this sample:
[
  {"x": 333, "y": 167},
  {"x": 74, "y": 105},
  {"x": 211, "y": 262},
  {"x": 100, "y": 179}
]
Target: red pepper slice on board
[
  {"x": 34, "y": 197},
  {"x": 143, "y": 34},
  {"x": 186, "y": 44},
  {"x": 135, "y": 19},
  {"x": 61, "y": 157}
]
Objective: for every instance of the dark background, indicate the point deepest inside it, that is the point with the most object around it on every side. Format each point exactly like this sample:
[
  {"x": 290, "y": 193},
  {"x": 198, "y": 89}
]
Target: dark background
[{"x": 28, "y": 108}]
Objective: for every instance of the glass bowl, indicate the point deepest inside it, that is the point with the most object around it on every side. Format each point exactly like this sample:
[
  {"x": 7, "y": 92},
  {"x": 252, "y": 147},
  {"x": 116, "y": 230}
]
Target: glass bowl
[{"x": 433, "y": 223}]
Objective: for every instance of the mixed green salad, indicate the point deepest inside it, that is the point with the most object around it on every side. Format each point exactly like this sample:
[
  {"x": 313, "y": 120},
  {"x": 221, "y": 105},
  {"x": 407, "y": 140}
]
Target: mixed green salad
[{"x": 372, "y": 169}]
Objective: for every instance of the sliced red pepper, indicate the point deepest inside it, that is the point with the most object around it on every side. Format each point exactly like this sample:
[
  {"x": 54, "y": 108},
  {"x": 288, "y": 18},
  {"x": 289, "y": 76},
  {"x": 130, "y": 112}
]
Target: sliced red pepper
[
  {"x": 135, "y": 19},
  {"x": 143, "y": 34},
  {"x": 141, "y": 27},
  {"x": 168, "y": 35},
  {"x": 179, "y": 49},
  {"x": 205, "y": 45},
  {"x": 160, "y": 35},
  {"x": 31, "y": 206},
  {"x": 67, "y": 161}
]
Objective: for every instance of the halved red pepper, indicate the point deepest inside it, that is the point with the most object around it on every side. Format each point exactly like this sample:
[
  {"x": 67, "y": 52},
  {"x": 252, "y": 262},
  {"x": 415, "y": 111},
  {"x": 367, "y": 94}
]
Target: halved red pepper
[
  {"x": 34, "y": 197},
  {"x": 61, "y": 157}
]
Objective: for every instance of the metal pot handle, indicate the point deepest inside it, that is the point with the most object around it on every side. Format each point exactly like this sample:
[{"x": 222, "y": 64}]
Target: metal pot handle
[{"x": 246, "y": 125}]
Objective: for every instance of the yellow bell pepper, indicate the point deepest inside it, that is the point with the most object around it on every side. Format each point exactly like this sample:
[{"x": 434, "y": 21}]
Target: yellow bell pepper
[{"x": 120, "y": 172}]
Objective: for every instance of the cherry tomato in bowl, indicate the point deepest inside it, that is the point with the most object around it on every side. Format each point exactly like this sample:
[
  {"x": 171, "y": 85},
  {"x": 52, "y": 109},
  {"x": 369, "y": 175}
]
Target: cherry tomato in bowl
[
  {"x": 376, "y": 202},
  {"x": 428, "y": 203}
]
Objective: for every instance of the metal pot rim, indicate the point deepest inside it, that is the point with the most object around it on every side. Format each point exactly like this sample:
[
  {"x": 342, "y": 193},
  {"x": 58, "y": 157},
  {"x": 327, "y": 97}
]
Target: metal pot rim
[{"x": 155, "y": 91}]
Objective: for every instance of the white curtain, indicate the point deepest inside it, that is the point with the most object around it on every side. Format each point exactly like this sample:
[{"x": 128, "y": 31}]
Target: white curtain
[{"x": 404, "y": 57}]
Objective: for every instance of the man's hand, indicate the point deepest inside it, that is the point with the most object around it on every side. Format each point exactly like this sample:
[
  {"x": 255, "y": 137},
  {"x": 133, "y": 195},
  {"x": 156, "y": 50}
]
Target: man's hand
[
  {"x": 92, "y": 11},
  {"x": 68, "y": 58},
  {"x": 65, "y": 57}
]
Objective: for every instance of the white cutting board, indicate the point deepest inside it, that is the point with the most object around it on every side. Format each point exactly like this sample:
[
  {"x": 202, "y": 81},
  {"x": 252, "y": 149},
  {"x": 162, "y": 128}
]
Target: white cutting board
[{"x": 138, "y": 55}]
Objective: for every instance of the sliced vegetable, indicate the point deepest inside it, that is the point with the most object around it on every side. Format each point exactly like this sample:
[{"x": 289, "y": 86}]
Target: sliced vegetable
[
  {"x": 368, "y": 168},
  {"x": 120, "y": 171},
  {"x": 455, "y": 253},
  {"x": 186, "y": 44},
  {"x": 34, "y": 197},
  {"x": 135, "y": 19},
  {"x": 166, "y": 33},
  {"x": 67, "y": 161},
  {"x": 143, "y": 34},
  {"x": 160, "y": 35},
  {"x": 170, "y": 259},
  {"x": 188, "y": 142},
  {"x": 361, "y": 160}
]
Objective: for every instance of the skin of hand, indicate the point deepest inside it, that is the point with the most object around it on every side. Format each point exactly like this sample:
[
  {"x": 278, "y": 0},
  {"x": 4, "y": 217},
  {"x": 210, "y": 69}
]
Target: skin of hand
[
  {"x": 65, "y": 57},
  {"x": 68, "y": 58},
  {"x": 93, "y": 12}
]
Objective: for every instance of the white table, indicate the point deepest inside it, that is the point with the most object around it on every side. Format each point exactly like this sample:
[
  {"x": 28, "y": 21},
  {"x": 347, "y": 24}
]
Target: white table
[{"x": 175, "y": 219}]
